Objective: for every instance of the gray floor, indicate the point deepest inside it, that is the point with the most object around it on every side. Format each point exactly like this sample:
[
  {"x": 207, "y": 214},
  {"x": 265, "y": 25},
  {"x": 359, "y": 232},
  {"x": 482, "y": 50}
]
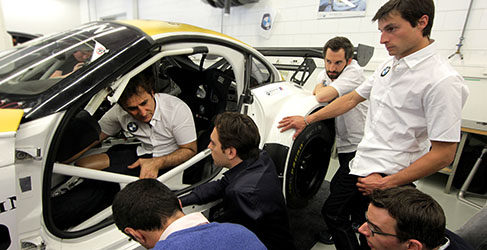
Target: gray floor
[{"x": 457, "y": 212}]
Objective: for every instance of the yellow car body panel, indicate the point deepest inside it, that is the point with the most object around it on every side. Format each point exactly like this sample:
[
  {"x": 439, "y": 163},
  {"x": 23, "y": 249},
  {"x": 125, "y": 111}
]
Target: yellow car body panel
[
  {"x": 153, "y": 27},
  {"x": 10, "y": 119}
]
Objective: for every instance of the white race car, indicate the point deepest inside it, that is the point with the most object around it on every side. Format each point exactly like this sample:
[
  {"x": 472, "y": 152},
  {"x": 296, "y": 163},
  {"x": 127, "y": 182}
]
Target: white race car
[{"x": 45, "y": 120}]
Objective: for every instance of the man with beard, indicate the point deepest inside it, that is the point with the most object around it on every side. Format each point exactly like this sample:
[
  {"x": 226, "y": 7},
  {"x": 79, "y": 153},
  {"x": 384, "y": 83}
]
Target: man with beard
[
  {"x": 414, "y": 117},
  {"x": 250, "y": 189},
  {"x": 341, "y": 75}
]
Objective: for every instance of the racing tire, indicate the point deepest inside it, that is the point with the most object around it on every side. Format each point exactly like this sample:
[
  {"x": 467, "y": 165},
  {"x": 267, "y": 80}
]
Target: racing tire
[{"x": 308, "y": 162}]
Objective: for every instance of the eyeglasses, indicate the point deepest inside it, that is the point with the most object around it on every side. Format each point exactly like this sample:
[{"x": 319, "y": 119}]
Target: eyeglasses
[{"x": 373, "y": 231}]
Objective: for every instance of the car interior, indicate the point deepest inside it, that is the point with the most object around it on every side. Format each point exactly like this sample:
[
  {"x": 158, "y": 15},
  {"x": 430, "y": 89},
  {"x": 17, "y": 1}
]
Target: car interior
[{"x": 206, "y": 83}]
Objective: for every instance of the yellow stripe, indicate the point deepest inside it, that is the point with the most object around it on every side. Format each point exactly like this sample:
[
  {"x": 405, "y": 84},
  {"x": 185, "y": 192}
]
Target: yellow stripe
[
  {"x": 10, "y": 119},
  {"x": 153, "y": 27}
]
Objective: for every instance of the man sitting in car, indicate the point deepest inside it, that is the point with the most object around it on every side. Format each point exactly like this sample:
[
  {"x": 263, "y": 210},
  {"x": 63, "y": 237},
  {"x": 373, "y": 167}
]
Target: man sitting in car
[
  {"x": 162, "y": 123},
  {"x": 78, "y": 59},
  {"x": 250, "y": 189}
]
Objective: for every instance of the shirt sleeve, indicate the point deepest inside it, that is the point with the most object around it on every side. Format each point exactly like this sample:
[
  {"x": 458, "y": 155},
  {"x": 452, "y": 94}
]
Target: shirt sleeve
[
  {"x": 442, "y": 105},
  {"x": 349, "y": 80},
  {"x": 205, "y": 193},
  {"x": 321, "y": 77},
  {"x": 109, "y": 122},
  {"x": 366, "y": 87},
  {"x": 184, "y": 129}
]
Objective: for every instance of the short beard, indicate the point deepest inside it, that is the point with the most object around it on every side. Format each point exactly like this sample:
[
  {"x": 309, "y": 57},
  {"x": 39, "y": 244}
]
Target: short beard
[{"x": 333, "y": 77}]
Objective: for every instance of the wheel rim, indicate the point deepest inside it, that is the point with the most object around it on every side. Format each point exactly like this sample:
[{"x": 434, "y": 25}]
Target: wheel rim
[{"x": 308, "y": 177}]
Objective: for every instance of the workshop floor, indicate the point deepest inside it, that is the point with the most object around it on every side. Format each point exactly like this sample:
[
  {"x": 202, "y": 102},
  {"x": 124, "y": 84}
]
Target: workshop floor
[{"x": 457, "y": 212}]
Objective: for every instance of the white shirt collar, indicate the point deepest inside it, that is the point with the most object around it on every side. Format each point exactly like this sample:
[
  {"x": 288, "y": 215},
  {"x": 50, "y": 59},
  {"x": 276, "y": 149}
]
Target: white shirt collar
[
  {"x": 187, "y": 221},
  {"x": 418, "y": 56},
  {"x": 444, "y": 246},
  {"x": 157, "y": 111}
]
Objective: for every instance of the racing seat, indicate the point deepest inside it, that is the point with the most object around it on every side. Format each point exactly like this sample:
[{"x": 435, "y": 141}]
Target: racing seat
[
  {"x": 206, "y": 95},
  {"x": 81, "y": 131}
]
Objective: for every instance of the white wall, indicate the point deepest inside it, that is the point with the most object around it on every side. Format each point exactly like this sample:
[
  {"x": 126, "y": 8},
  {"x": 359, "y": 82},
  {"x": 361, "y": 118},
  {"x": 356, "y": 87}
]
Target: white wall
[
  {"x": 41, "y": 17},
  {"x": 297, "y": 25},
  {"x": 94, "y": 10},
  {"x": 5, "y": 38}
]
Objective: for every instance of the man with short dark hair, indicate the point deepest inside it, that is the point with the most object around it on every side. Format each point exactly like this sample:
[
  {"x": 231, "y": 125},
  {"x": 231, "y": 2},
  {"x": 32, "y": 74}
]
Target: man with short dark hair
[
  {"x": 149, "y": 212},
  {"x": 406, "y": 218},
  {"x": 74, "y": 62},
  {"x": 414, "y": 117},
  {"x": 250, "y": 189},
  {"x": 341, "y": 75},
  {"x": 162, "y": 123}
]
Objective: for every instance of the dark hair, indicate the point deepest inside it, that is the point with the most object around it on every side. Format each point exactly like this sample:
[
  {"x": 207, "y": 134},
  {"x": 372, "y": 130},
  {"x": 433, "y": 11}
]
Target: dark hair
[
  {"x": 238, "y": 131},
  {"x": 145, "y": 204},
  {"x": 144, "y": 80},
  {"x": 418, "y": 216},
  {"x": 410, "y": 10},
  {"x": 337, "y": 43}
]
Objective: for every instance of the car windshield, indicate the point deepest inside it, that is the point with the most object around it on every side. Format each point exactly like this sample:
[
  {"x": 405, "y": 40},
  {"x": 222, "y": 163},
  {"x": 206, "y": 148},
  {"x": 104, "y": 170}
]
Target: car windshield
[{"x": 33, "y": 67}]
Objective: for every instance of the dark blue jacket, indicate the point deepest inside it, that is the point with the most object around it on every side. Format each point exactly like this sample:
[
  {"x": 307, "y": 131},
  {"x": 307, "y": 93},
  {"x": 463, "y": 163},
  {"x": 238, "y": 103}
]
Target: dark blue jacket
[{"x": 252, "y": 197}]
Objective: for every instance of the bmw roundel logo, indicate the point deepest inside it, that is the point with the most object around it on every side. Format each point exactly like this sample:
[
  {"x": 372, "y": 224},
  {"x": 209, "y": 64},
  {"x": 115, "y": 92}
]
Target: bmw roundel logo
[
  {"x": 132, "y": 127},
  {"x": 385, "y": 71}
]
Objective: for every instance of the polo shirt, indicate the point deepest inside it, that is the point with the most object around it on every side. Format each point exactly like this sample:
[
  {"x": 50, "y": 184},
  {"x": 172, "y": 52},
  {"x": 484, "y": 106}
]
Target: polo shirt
[
  {"x": 349, "y": 126},
  {"x": 413, "y": 100},
  {"x": 171, "y": 125}
]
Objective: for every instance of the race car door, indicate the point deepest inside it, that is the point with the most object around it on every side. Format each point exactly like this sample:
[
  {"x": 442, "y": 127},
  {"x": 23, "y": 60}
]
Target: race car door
[{"x": 8, "y": 221}]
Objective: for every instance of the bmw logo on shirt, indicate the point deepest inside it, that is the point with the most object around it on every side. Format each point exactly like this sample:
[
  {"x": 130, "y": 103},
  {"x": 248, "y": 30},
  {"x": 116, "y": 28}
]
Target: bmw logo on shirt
[
  {"x": 385, "y": 71},
  {"x": 132, "y": 127}
]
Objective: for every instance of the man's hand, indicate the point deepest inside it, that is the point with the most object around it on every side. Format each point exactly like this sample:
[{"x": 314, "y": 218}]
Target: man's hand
[
  {"x": 149, "y": 167},
  {"x": 373, "y": 181},
  {"x": 78, "y": 66},
  {"x": 318, "y": 87},
  {"x": 296, "y": 122}
]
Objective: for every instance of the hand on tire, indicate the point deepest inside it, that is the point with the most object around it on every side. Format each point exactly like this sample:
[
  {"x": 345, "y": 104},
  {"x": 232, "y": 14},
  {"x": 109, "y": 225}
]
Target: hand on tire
[{"x": 296, "y": 122}]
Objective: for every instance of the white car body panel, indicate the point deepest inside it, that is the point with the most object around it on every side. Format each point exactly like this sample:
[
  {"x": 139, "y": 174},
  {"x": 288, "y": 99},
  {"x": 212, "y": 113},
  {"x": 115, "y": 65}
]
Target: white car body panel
[
  {"x": 34, "y": 134},
  {"x": 25, "y": 153},
  {"x": 8, "y": 212},
  {"x": 280, "y": 100}
]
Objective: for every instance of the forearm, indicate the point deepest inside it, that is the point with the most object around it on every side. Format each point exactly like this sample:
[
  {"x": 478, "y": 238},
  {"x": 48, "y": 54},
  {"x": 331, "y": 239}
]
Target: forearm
[
  {"x": 428, "y": 164},
  {"x": 102, "y": 137},
  {"x": 175, "y": 158},
  {"x": 325, "y": 93},
  {"x": 337, "y": 107}
]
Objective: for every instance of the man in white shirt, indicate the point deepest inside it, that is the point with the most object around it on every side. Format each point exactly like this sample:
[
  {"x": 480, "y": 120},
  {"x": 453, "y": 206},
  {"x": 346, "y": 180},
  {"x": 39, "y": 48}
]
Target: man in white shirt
[
  {"x": 416, "y": 99},
  {"x": 150, "y": 213},
  {"x": 342, "y": 75},
  {"x": 162, "y": 123}
]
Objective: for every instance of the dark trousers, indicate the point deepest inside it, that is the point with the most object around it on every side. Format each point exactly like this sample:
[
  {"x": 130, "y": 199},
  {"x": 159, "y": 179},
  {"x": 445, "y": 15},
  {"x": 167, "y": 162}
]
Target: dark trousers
[{"x": 344, "y": 201}]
